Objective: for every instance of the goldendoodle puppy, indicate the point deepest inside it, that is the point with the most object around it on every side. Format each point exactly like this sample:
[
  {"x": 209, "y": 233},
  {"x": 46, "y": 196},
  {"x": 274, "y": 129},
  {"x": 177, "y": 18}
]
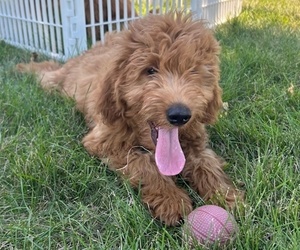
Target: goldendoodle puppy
[{"x": 146, "y": 95}]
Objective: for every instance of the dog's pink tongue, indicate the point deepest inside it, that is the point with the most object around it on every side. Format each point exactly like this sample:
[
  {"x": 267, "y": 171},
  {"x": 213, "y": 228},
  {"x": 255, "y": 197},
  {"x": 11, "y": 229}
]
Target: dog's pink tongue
[{"x": 169, "y": 156}]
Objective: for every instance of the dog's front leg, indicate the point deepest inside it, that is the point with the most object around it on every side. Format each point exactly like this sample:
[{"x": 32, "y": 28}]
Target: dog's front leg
[
  {"x": 166, "y": 201},
  {"x": 205, "y": 175}
]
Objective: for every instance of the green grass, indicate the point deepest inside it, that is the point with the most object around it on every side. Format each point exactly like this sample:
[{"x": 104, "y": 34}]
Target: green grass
[{"x": 53, "y": 195}]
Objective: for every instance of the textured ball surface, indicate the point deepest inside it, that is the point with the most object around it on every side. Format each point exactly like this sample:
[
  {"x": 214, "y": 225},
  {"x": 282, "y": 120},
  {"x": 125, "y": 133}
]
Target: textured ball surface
[{"x": 209, "y": 224}]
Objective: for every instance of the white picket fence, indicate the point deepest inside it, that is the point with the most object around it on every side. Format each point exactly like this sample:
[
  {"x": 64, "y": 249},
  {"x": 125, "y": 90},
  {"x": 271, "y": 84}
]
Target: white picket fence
[{"x": 64, "y": 28}]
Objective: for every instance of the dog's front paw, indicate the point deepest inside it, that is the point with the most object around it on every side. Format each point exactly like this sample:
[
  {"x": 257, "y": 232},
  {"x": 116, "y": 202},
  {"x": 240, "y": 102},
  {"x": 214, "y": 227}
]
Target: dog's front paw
[{"x": 170, "y": 206}]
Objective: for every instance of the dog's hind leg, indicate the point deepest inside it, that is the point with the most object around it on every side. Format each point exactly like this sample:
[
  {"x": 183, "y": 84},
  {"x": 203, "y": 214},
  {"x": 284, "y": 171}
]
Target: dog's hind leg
[
  {"x": 47, "y": 72},
  {"x": 38, "y": 67}
]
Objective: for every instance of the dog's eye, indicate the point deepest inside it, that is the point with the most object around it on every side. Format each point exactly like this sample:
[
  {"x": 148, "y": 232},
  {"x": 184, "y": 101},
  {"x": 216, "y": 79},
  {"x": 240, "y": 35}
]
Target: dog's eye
[{"x": 151, "y": 71}]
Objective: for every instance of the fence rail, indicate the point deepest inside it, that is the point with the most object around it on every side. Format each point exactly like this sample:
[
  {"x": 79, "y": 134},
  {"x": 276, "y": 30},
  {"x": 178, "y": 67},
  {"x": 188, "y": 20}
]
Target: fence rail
[{"x": 64, "y": 28}]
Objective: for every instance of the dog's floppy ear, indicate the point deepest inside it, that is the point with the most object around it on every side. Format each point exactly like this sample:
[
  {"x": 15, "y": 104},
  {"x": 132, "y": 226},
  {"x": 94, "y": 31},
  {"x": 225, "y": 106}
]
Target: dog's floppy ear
[
  {"x": 110, "y": 105},
  {"x": 213, "y": 106}
]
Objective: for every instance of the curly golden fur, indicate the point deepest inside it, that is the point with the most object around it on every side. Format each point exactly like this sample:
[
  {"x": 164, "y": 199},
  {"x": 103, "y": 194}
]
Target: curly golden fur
[{"x": 126, "y": 88}]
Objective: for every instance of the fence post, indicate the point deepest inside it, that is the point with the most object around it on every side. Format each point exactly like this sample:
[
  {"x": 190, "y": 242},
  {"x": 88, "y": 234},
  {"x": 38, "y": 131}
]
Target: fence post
[
  {"x": 73, "y": 27},
  {"x": 196, "y": 8}
]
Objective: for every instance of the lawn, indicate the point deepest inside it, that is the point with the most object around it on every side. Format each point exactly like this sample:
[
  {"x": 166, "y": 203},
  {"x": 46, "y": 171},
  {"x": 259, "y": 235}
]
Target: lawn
[{"x": 53, "y": 195}]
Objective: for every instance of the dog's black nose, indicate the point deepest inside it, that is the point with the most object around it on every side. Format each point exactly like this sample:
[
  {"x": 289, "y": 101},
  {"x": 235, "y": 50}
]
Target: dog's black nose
[{"x": 178, "y": 114}]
